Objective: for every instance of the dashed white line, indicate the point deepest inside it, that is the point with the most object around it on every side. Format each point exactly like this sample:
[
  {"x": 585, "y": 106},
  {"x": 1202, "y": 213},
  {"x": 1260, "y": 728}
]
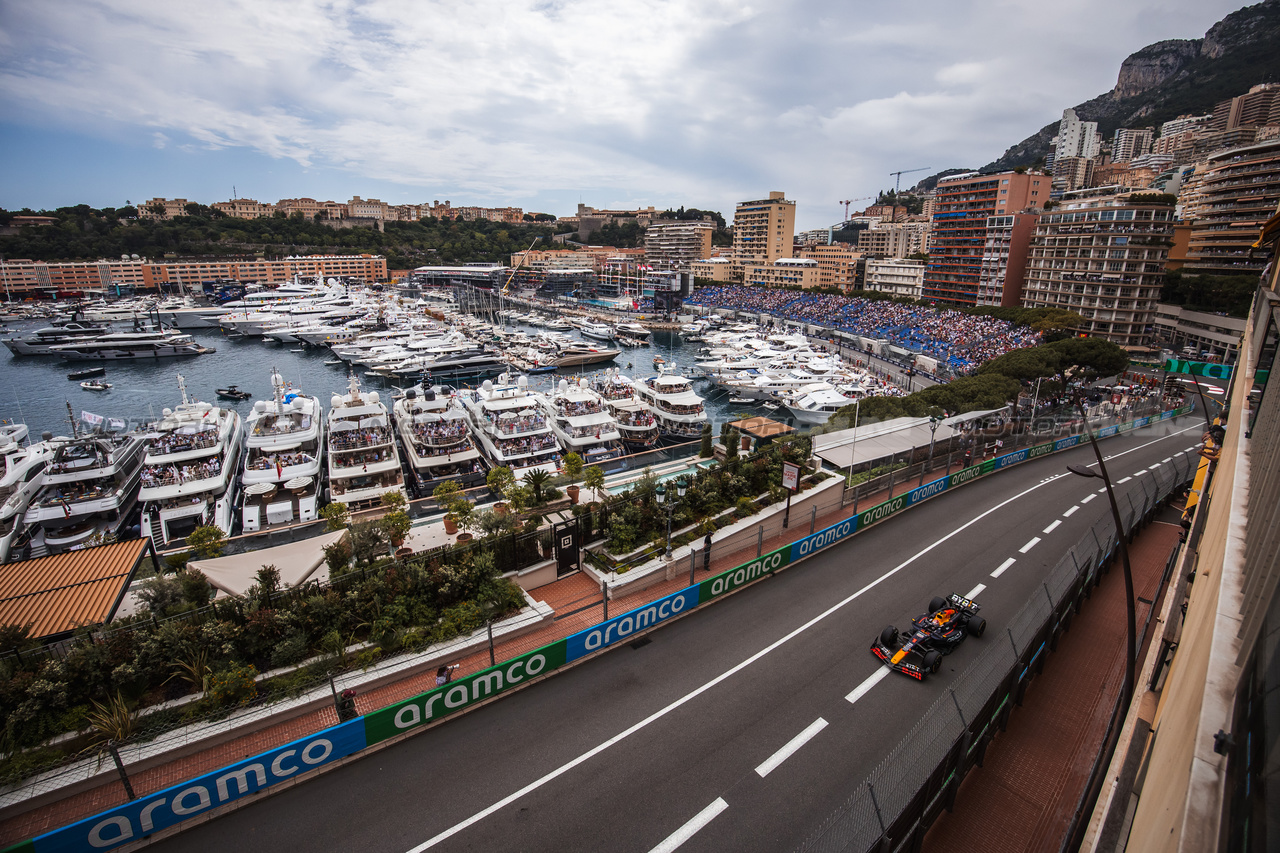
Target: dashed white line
[
  {"x": 1139, "y": 473},
  {"x": 690, "y": 829},
  {"x": 1166, "y": 459},
  {"x": 1102, "y": 491},
  {"x": 1153, "y": 467},
  {"x": 1121, "y": 482},
  {"x": 1087, "y": 498},
  {"x": 793, "y": 746},
  {"x": 1057, "y": 522},
  {"x": 973, "y": 593},
  {"x": 1025, "y": 548},
  {"x": 1071, "y": 511},
  {"x": 1003, "y": 566},
  {"x": 862, "y": 689}
]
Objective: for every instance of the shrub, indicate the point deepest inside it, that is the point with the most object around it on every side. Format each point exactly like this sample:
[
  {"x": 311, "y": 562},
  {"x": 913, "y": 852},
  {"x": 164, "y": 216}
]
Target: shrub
[
  {"x": 290, "y": 650},
  {"x": 206, "y": 542},
  {"x": 335, "y": 516},
  {"x": 234, "y": 685},
  {"x": 744, "y": 507}
]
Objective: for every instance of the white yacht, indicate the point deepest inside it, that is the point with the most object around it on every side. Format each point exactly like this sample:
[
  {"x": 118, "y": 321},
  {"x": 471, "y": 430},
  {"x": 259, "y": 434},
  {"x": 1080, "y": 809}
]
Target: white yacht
[
  {"x": 89, "y": 493},
  {"x": 678, "y": 409},
  {"x": 582, "y": 421},
  {"x": 189, "y": 477},
  {"x": 436, "y": 439},
  {"x": 637, "y": 424},
  {"x": 363, "y": 460},
  {"x": 282, "y": 466},
  {"x": 816, "y": 403},
  {"x": 596, "y": 331},
  {"x": 130, "y": 345},
  {"x": 42, "y": 341},
  {"x": 511, "y": 426},
  {"x": 633, "y": 330},
  {"x": 20, "y": 478}
]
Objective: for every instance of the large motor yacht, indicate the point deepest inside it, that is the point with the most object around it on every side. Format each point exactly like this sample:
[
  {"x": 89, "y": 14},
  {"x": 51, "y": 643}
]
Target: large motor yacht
[
  {"x": 638, "y": 426},
  {"x": 363, "y": 460},
  {"x": 89, "y": 494},
  {"x": 673, "y": 402},
  {"x": 189, "y": 479},
  {"x": 20, "y": 478},
  {"x": 436, "y": 439},
  {"x": 130, "y": 345},
  {"x": 282, "y": 467},
  {"x": 42, "y": 341},
  {"x": 582, "y": 421},
  {"x": 511, "y": 426}
]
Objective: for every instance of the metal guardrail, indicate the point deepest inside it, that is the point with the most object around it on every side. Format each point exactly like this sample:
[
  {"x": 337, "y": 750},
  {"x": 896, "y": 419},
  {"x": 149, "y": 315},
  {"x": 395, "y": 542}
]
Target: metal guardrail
[{"x": 893, "y": 808}]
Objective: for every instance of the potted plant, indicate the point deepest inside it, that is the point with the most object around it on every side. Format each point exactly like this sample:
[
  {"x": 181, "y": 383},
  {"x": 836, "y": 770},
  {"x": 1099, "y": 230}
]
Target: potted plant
[
  {"x": 593, "y": 479},
  {"x": 396, "y": 522},
  {"x": 446, "y": 495},
  {"x": 572, "y": 470}
]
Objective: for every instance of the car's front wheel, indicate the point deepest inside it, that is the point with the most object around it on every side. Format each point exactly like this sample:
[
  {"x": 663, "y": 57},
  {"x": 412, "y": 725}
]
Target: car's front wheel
[
  {"x": 932, "y": 661},
  {"x": 889, "y": 637}
]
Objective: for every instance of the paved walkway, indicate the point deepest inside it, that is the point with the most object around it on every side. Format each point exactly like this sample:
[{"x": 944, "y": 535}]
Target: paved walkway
[{"x": 1024, "y": 795}]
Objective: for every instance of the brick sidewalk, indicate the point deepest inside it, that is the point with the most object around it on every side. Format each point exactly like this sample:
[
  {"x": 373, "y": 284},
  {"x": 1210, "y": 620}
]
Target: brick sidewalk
[
  {"x": 1024, "y": 795},
  {"x": 571, "y": 599}
]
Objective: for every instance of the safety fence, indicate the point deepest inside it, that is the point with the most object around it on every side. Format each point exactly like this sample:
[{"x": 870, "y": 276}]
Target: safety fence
[
  {"x": 945, "y": 742},
  {"x": 893, "y": 808}
]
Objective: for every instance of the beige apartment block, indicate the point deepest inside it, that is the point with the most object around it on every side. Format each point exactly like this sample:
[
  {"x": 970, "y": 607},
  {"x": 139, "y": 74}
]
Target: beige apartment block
[
  {"x": 893, "y": 239},
  {"x": 245, "y": 208},
  {"x": 674, "y": 244},
  {"x": 714, "y": 269},
  {"x": 784, "y": 272},
  {"x": 1238, "y": 191},
  {"x": 163, "y": 208},
  {"x": 763, "y": 230},
  {"x": 896, "y": 276},
  {"x": 837, "y": 263}
]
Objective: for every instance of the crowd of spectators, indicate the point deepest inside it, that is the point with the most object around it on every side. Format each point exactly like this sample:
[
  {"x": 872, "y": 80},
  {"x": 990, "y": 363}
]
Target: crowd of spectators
[
  {"x": 168, "y": 475},
  {"x": 962, "y": 341},
  {"x": 267, "y": 461},
  {"x": 529, "y": 444}
]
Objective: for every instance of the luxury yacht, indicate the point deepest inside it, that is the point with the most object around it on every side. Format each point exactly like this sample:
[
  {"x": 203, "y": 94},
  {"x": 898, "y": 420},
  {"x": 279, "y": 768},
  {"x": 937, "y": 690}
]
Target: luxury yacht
[
  {"x": 130, "y": 345},
  {"x": 436, "y": 439},
  {"x": 189, "y": 477},
  {"x": 42, "y": 341},
  {"x": 363, "y": 460},
  {"x": 282, "y": 465},
  {"x": 20, "y": 478},
  {"x": 511, "y": 426},
  {"x": 637, "y": 424},
  {"x": 583, "y": 422},
  {"x": 678, "y": 410}
]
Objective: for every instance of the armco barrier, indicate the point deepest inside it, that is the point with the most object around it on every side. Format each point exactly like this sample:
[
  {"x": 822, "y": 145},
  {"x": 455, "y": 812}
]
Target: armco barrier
[{"x": 171, "y": 806}]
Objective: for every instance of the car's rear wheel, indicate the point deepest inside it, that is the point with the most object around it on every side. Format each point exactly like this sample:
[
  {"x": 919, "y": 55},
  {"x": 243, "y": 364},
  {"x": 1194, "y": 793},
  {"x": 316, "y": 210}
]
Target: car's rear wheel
[
  {"x": 889, "y": 637},
  {"x": 977, "y": 625},
  {"x": 932, "y": 661},
  {"x": 937, "y": 603}
]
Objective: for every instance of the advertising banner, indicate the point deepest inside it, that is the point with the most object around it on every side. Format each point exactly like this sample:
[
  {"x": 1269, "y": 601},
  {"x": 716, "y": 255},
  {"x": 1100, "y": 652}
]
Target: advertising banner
[
  {"x": 1064, "y": 443},
  {"x": 1107, "y": 431},
  {"x": 881, "y": 511},
  {"x": 1039, "y": 450},
  {"x": 744, "y": 574},
  {"x": 928, "y": 490},
  {"x": 447, "y": 698},
  {"x": 177, "y": 803},
  {"x": 1198, "y": 368},
  {"x": 973, "y": 472},
  {"x": 790, "y": 476},
  {"x": 988, "y": 466},
  {"x": 829, "y": 536},
  {"x": 620, "y": 627},
  {"x": 1008, "y": 459}
]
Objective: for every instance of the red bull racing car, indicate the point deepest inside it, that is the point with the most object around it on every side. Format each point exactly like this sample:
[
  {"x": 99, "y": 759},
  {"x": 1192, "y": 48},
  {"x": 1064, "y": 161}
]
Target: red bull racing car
[{"x": 934, "y": 634}]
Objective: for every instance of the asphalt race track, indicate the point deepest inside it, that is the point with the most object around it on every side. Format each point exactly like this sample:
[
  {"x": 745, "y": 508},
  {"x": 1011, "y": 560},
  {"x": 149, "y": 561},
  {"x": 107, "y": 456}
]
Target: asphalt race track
[{"x": 740, "y": 727}]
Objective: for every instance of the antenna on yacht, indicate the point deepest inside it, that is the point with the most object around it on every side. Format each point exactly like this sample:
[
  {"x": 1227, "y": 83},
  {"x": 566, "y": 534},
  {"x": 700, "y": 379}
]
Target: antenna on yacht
[
  {"x": 71, "y": 417},
  {"x": 182, "y": 386}
]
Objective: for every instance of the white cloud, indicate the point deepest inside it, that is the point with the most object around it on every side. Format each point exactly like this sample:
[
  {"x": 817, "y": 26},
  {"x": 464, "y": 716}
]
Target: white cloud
[{"x": 681, "y": 103}]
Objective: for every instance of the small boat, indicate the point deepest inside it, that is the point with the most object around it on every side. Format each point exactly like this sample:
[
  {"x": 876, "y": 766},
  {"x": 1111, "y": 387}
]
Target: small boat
[
  {"x": 739, "y": 401},
  {"x": 231, "y": 392},
  {"x": 299, "y": 349},
  {"x": 333, "y": 361},
  {"x": 87, "y": 372},
  {"x": 95, "y": 385},
  {"x": 657, "y": 359}
]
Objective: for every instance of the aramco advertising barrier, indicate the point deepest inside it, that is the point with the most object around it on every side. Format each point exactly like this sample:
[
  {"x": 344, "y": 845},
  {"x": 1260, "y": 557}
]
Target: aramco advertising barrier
[{"x": 175, "y": 804}]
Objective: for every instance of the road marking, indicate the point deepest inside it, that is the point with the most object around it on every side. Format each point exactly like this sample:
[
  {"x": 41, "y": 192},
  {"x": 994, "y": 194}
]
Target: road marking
[
  {"x": 1071, "y": 511},
  {"x": 1139, "y": 473},
  {"x": 1166, "y": 459},
  {"x": 1087, "y": 498},
  {"x": 1122, "y": 482},
  {"x": 973, "y": 593},
  {"x": 1057, "y": 522},
  {"x": 1102, "y": 491},
  {"x": 1001, "y": 570},
  {"x": 1025, "y": 548},
  {"x": 552, "y": 775},
  {"x": 871, "y": 681},
  {"x": 1154, "y": 467},
  {"x": 793, "y": 745},
  {"x": 684, "y": 833}
]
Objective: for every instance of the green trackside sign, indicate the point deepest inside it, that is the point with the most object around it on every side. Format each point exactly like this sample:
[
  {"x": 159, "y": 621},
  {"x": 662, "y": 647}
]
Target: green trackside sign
[
  {"x": 449, "y": 698},
  {"x": 744, "y": 574},
  {"x": 882, "y": 511},
  {"x": 1198, "y": 368},
  {"x": 1040, "y": 450}
]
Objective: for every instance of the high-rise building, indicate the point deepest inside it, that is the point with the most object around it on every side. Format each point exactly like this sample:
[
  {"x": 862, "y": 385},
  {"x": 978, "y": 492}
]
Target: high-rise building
[
  {"x": 1257, "y": 107},
  {"x": 674, "y": 244},
  {"x": 763, "y": 230},
  {"x": 893, "y": 239},
  {"x": 961, "y": 212},
  {"x": 1076, "y": 138},
  {"x": 1103, "y": 257},
  {"x": 837, "y": 263},
  {"x": 1004, "y": 258},
  {"x": 896, "y": 276},
  {"x": 1237, "y": 192},
  {"x": 1129, "y": 143}
]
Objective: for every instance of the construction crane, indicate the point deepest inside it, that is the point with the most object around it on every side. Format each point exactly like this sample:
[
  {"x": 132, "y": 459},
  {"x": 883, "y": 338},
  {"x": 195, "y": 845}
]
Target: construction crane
[
  {"x": 897, "y": 185},
  {"x": 848, "y": 201}
]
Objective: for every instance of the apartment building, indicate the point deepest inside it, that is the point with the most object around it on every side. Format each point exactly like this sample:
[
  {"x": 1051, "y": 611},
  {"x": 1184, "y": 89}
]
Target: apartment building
[
  {"x": 312, "y": 209},
  {"x": 1236, "y": 193},
  {"x": 896, "y": 276},
  {"x": 714, "y": 269},
  {"x": 1103, "y": 257},
  {"x": 1177, "y": 327},
  {"x": 163, "y": 208},
  {"x": 783, "y": 272},
  {"x": 245, "y": 208},
  {"x": 964, "y": 205},
  {"x": 1258, "y": 107},
  {"x": 1004, "y": 258},
  {"x": 838, "y": 263},
  {"x": 1128, "y": 143},
  {"x": 674, "y": 244},
  {"x": 39, "y": 279},
  {"x": 763, "y": 230},
  {"x": 552, "y": 259},
  {"x": 893, "y": 239}
]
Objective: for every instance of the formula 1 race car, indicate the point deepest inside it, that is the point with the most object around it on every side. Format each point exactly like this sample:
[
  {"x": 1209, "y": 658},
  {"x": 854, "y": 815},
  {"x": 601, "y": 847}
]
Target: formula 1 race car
[{"x": 933, "y": 635}]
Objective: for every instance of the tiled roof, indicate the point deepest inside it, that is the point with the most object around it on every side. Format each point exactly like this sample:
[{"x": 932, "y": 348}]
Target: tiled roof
[
  {"x": 762, "y": 427},
  {"x": 58, "y": 594}
]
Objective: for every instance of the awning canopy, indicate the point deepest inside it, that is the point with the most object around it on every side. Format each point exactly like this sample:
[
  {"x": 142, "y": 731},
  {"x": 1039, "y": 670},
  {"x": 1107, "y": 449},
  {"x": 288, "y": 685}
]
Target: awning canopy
[
  {"x": 58, "y": 594},
  {"x": 762, "y": 427},
  {"x": 889, "y": 438},
  {"x": 297, "y": 562}
]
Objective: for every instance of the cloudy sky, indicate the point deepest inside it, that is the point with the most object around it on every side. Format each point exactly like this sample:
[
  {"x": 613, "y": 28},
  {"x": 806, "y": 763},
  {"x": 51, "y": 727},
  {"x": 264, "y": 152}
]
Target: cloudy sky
[{"x": 541, "y": 105}]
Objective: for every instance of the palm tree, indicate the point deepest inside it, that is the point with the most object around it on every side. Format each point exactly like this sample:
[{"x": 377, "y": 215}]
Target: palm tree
[{"x": 536, "y": 479}]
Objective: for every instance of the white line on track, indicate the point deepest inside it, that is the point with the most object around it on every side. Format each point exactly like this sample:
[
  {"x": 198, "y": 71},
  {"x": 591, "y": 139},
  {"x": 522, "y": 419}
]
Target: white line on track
[
  {"x": 1166, "y": 459},
  {"x": 973, "y": 593},
  {"x": 684, "y": 833},
  {"x": 1025, "y": 548},
  {"x": 1087, "y": 498},
  {"x": 1102, "y": 491},
  {"x": 729, "y": 673},
  {"x": 1122, "y": 482},
  {"x": 1139, "y": 473},
  {"x": 1003, "y": 566},
  {"x": 865, "y": 687},
  {"x": 1071, "y": 511},
  {"x": 793, "y": 746},
  {"x": 1057, "y": 522}
]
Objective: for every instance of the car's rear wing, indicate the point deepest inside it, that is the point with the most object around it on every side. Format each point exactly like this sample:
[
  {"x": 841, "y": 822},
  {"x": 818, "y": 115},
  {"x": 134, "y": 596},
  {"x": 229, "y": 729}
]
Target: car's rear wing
[{"x": 964, "y": 603}]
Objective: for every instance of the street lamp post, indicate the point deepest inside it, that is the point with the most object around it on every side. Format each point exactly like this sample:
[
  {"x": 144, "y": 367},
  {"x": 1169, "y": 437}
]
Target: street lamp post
[
  {"x": 934, "y": 421},
  {"x": 1101, "y": 474},
  {"x": 682, "y": 484}
]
